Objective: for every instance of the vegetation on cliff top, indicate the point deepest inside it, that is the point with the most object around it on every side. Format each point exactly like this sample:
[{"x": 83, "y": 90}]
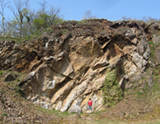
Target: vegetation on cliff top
[{"x": 26, "y": 23}]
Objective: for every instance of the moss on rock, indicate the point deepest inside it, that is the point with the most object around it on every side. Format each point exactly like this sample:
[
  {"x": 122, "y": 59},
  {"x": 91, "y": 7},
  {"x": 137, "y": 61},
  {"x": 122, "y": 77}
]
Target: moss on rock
[{"x": 111, "y": 90}]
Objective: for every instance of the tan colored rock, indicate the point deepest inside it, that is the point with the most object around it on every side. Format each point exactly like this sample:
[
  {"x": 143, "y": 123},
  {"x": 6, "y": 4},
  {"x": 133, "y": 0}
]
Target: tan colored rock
[
  {"x": 100, "y": 63},
  {"x": 78, "y": 61},
  {"x": 58, "y": 105},
  {"x": 129, "y": 49},
  {"x": 129, "y": 68},
  {"x": 74, "y": 94},
  {"x": 114, "y": 61},
  {"x": 134, "y": 41},
  {"x": 75, "y": 107},
  {"x": 62, "y": 91},
  {"x": 98, "y": 83}
]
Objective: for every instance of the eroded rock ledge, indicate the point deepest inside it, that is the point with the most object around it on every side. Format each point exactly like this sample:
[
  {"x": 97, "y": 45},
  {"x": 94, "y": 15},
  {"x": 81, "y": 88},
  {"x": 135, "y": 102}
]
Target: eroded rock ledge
[{"x": 69, "y": 65}]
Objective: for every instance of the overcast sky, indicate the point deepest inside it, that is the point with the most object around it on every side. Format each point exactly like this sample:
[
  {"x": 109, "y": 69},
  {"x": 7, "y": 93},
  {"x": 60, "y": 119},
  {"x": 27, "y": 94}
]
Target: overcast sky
[{"x": 108, "y": 9}]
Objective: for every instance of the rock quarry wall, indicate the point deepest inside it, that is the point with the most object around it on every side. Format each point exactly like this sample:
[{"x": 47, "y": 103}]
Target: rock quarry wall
[{"x": 76, "y": 61}]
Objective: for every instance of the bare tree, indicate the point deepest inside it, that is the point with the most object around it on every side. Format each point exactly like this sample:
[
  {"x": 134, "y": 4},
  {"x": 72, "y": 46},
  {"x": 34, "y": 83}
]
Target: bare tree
[
  {"x": 43, "y": 5},
  {"x": 88, "y": 15},
  {"x": 3, "y": 5},
  {"x": 20, "y": 12},
  {"x": 53, "y": 15},
  {"x": 27, "y": 21}
]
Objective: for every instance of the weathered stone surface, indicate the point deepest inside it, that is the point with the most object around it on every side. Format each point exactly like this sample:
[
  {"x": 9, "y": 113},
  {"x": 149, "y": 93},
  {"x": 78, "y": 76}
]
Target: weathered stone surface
[
  {"x": 58, "y": 105},
  {"x": 97, "y": 102},
  {"x": 62, "y": 91},
  {"x": 75, "y": 107},
  {"x": 157, "y": 55},
  {"x": 156, "y": 39},
  {"x": 138, "y": 60},
  {"x": 142, "y": 46},
  {"x": 74, "y": 94},
  {"x": 64, "y": 67}
]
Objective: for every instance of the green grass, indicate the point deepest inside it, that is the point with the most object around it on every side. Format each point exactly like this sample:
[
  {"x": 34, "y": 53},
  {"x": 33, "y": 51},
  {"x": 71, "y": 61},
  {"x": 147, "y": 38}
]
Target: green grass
[{"x": 52, "y": 111}]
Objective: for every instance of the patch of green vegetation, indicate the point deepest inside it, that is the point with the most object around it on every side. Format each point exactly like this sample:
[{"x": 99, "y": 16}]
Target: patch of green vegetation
[
  {"x": 152, "y": 48},
  {"x": 64, "y": 31},
  {"x": 14, "y": 85},
  {"x": 83, "y": 21},
  {"x": 52, "y": 111},
  {"x": 58, "y": 21},
  {"x": 1, "y": 72},
  {"x": 150, "y": 91},
  {"x": 9, "y": 38},
  {"x": 2, "y": 91},
  {"x": 155, "y": 89},
  {"x": 4, "y": 114},
  {"x": 111, "y": 90}
]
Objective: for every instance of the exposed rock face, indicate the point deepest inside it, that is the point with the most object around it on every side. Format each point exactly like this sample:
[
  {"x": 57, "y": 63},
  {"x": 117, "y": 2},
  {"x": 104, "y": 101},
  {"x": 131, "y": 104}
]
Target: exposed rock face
[{"x": 68, "y": 67}]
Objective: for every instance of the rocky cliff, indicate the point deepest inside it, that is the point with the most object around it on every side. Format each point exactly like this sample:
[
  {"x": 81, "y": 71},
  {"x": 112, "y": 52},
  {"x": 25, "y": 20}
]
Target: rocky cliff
[{"x": 95, "y": 59}]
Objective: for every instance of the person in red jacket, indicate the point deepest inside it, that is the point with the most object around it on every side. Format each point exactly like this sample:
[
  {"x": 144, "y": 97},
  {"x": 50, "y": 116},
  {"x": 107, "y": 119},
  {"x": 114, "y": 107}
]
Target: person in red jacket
[{"x": 90, "y": 104}]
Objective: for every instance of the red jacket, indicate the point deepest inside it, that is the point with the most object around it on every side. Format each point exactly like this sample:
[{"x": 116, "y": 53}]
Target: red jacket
[{"x": 90, "y": 102}]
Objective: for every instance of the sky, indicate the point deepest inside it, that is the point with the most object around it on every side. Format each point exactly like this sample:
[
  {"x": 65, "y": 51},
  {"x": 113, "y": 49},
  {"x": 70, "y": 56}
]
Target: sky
[{"x": 107, "y": 9}]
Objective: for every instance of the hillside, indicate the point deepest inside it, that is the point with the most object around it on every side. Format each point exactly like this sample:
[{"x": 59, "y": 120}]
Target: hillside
[{"x": 116, "y": 64}]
